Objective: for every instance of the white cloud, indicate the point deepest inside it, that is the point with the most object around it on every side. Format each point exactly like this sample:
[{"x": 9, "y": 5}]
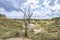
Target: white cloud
[
  {"x": 15, "y": 14},
  {"x": 12, "y": 14},
  {"x": 32, "y": 3},
  {"x": 46, "y": 11},
  {"x": 2, "y": 9},
  {"x": 55, "y": 7}
]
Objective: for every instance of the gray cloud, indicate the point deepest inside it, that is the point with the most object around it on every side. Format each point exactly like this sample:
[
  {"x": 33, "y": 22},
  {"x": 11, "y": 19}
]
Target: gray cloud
[{"x": 9, "y": 5}]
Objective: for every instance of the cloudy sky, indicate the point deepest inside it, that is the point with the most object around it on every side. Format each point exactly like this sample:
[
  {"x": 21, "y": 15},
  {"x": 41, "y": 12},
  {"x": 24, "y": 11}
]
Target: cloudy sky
[{"x": 43, "y": 9}]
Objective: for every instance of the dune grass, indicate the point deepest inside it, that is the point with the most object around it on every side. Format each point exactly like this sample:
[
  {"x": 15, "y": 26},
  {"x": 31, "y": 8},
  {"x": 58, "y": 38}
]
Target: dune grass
[{"x": 9, "y": 28}]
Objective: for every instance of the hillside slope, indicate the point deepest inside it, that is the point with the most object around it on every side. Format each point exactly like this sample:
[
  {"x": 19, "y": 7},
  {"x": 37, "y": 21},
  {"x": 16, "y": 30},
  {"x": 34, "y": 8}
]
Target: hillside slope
[
  {"x": 49, "y": 29},
  {"x": 9, "y": 27}
]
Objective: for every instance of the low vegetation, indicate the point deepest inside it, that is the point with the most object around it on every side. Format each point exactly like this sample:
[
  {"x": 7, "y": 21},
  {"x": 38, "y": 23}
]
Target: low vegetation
[{"x": 44, "y": 29}]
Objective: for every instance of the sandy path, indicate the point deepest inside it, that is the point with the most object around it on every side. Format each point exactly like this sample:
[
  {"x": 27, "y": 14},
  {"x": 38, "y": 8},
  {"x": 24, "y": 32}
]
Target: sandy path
[{"x": 18, "y": 39}]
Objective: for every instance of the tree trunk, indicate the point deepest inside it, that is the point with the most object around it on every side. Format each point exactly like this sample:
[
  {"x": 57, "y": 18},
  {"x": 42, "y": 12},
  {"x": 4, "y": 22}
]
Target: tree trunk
[
  {"x": 26, "y": 28},
  {"x": 28, "y": 21}
]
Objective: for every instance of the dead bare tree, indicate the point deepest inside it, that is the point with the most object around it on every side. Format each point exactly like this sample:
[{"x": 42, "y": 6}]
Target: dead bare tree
[
  {"x": 27, "y": 16},
  {"x": 28, "y": 12}
]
